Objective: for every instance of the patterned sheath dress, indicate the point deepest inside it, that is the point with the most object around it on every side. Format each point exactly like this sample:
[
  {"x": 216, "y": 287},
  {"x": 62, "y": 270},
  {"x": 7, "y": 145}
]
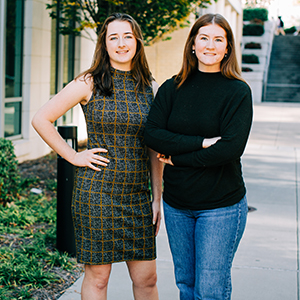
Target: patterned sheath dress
[{"x": 111, "y": 208}]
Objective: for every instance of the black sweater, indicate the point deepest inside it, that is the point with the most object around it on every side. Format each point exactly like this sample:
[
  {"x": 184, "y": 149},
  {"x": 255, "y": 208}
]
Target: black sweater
[{"x": 207, "y": 105}]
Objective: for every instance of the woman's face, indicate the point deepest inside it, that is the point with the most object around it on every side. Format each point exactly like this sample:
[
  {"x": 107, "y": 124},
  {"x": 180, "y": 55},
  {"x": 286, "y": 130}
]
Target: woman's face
[
  {"x": 210, "y": 47},
  {"x": 120, "y": 44}
]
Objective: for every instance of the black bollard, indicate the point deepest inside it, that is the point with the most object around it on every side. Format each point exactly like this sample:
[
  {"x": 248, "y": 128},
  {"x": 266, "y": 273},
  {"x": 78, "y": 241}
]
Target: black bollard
[{"x": 65, "y": 239}]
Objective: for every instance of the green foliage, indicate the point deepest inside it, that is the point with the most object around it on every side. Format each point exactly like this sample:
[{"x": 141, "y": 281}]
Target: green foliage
[
  {"x": 27, "y": 253},
  {"x": 51, "y": 184},
  {"x": 156, "y": 17},
  {"x": 9, "y": 175},
  {"x": 290, "y": 30},
  {"x": 250, "y": 59},
  {"x": 253, "y": 45},
  {"x": 250, "y": 14},
  {"x": 253, "y": 30},
  {"x": 24, "y": 267},
  {"x": 29, "y": 181},
  {"x": 27, "y": 211}
]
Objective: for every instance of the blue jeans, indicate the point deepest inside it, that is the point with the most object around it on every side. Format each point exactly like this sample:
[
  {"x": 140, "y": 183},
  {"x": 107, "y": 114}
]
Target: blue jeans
[{"x": 203, "y": 244}]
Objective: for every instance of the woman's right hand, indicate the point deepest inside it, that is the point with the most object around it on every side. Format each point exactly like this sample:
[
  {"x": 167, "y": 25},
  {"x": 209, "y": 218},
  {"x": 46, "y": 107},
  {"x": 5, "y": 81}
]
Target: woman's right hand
[
  {"x": 209, "y": 142},
  {"x": 165, "y": 159},
  {"x": 89, "y": 158}
]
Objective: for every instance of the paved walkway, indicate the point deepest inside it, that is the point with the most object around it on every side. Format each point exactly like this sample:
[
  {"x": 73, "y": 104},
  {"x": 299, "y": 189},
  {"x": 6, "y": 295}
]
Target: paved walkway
[{"x": 266, "y": 266}]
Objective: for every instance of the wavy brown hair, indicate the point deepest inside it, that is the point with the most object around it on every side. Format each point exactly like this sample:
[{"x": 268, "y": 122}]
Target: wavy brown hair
[
  {"x": 229, "y": 64},
  {"x": 100, "y": 71}
]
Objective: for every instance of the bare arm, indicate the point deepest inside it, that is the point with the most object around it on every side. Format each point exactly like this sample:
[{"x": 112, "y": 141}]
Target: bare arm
[
  {"x": 77, "y": 91},
  {"x": 156, "y": 174}
]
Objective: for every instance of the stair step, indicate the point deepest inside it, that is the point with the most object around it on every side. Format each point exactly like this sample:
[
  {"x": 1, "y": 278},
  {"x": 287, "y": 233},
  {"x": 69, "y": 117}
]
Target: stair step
[
  {"x": 283, "y": 92},
  {"x": 283, "y": 83}
]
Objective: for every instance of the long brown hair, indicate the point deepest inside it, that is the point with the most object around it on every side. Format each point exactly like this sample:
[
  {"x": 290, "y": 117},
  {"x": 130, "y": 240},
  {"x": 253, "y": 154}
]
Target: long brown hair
[
  {"x": 229, "y": 64},
  {"x": 100, "y": 71}
]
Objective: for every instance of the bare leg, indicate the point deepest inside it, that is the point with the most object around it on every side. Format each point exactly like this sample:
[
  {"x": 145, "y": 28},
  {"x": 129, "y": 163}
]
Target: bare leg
[
  {"x": 282, "y": 31},
  {"x": 94, "y": 285},
  {"x": 143, "y": 276}
]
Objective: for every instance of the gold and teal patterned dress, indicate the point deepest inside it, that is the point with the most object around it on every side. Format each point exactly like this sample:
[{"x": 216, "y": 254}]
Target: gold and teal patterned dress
[{"x": 111, "y": 208}]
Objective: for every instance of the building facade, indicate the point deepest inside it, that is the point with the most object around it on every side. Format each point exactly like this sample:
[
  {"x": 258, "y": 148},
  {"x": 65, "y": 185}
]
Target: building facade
[{"x": 36, "y": 62}]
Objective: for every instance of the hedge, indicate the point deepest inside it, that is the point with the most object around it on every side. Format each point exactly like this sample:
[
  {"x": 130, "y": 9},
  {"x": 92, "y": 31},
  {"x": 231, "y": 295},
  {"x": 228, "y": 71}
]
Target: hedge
[
  {"x": 290, "y": 30},
  {"x": 255, "y": 13},
  {"x": 253, "y": 45},
  {"x": 250, "y": 59},
  {"x": 253, "y": 30}
]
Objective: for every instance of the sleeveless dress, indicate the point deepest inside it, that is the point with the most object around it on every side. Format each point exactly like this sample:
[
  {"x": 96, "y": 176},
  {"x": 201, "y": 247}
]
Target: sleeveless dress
[{"x": 111, "y": 208}]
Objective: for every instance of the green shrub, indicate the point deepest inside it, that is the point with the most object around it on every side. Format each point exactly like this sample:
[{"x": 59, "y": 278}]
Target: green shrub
[
  {"x": 17, "y": 266},
  {"x": 290, "y": 30},
  {"x": 9, "y": 173},
  {"x": 246, "y": 69},
  {"x": 51, "y": 184},
  {"x": 27, "y": 211},
  {"x": 28, "y": 259},
  {"x": 253, "y": 30},
  {"x": 250, "y": 59},
  {"x": 253, "y": 45},
  {"x": 250, "y": 14}
]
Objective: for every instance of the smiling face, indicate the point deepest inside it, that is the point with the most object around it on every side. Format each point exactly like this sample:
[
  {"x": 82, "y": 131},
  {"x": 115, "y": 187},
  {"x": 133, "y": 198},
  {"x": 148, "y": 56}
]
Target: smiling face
[
  {"x": 120, "y": 45},
  {"x": 210, "y": 47}
]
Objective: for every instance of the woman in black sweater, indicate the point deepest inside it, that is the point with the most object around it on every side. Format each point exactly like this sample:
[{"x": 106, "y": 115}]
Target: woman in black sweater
[{"x": 199, "y": 123}]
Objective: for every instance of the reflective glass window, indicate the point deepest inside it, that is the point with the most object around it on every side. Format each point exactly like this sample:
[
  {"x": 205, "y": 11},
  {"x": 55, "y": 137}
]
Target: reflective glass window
[
  {"x": 12, "y": 119},
  {"x": 14, "y": 48}
]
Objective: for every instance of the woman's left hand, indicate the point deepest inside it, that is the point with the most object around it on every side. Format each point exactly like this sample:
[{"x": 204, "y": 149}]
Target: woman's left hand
[
  {"x": 156, "y": 215},
  {"x": 164, "y": 159}
]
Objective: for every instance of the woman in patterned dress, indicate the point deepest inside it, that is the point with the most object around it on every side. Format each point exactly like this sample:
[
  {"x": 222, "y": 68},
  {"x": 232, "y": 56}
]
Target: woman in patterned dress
[{"x": 113, "y": 216}]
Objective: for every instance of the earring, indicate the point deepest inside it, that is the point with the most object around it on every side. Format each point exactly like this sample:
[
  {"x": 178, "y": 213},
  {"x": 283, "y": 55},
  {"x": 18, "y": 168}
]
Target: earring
[
  {"x": 225, "y": 55},
  {"x": 193, "y": 51}
]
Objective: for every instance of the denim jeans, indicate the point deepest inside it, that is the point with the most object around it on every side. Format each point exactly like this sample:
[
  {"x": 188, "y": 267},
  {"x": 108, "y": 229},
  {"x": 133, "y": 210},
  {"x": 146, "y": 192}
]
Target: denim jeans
[{"x": 203, "y": 244}]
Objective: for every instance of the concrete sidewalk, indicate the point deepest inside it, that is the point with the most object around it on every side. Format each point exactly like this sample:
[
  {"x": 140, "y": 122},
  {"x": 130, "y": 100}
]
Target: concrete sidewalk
[{"x": 266, "y": 266}]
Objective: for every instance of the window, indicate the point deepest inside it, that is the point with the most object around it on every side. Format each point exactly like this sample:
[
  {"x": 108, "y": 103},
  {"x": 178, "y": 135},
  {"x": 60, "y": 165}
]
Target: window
[
  {"x": 12, "y": 118},
  {"x": 13, "y": 67}
]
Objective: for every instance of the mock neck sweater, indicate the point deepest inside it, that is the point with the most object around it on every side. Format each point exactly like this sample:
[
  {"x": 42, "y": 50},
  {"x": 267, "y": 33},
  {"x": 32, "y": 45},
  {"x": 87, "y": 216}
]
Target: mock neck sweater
[{"x": 207, "y": 105}]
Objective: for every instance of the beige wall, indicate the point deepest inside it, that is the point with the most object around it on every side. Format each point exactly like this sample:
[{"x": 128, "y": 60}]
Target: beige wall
[
  {"x": 165, "y": 57},
  {"x": 36, "y": 76}
]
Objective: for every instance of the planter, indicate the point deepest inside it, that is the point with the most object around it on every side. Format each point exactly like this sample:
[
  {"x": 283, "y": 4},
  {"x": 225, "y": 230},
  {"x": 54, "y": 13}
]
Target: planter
[
  {"x": 256, "y": 78},
  {"x": 259, "y": 52},
  {"x": 254, "y": 67},
  {"x": 255, "y": 81}
]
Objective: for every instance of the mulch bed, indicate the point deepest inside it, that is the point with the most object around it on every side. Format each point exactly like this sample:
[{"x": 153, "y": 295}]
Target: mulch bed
[{"x": 45, "y": 168}]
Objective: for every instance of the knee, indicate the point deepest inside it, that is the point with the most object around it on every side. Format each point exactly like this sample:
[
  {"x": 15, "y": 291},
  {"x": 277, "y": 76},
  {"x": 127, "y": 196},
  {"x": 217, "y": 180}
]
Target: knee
[
  {"x": 145, "y": 280},
  {"x": 97, "y": 277},
  {"x": 100, "y": 283}
]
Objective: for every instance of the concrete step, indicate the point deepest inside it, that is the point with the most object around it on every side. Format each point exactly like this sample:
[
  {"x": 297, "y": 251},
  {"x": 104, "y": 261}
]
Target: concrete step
[
  {"x": 283, "y": 83},
  {"x": 282, "y": 93}
]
